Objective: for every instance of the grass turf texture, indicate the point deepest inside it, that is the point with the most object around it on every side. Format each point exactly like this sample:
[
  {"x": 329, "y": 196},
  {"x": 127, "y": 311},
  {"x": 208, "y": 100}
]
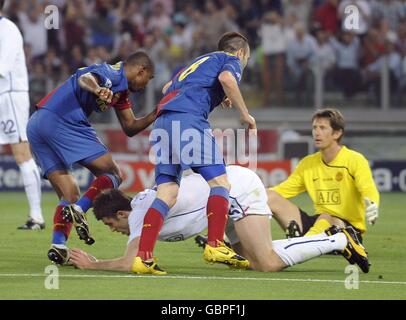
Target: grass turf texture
[{"x": 23, "y": 261}]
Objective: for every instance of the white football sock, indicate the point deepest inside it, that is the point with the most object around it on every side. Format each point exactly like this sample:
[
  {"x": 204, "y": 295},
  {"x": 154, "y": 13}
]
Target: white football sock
[
  {"x": 32, "y": 185},
  {"x": 297, "y": 250}
]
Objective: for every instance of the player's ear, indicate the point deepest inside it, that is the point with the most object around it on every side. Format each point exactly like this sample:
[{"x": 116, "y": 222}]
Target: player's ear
[{"x": 121, "y": 214}]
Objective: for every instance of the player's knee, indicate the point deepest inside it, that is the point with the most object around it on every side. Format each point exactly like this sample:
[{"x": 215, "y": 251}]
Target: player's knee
[{"x": 267, "y": 265}]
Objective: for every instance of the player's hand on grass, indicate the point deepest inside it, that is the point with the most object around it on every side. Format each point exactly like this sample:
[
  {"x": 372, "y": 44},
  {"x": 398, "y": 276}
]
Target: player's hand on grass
[
  {"x": 226, "y": 104},
  {"x": 105, "y": 94},
  {"x": 250, "y": 121},
  {"x": 81, "y": 259},
  {"x": 371, "y": 211}
]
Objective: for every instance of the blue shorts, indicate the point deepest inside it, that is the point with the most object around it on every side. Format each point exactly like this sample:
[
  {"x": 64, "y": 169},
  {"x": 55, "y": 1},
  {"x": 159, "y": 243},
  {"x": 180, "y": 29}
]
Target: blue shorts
[
  {"x": 57, "y": 143},
  {"x": 183, "y": 141}
]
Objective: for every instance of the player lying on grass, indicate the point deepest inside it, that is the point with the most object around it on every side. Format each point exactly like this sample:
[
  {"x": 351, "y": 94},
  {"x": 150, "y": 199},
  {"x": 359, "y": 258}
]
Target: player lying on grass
[
  {"x": 248, "y": 228},
  {"x": 61, "y": 135},
  {"x": 338, "y": 180}
]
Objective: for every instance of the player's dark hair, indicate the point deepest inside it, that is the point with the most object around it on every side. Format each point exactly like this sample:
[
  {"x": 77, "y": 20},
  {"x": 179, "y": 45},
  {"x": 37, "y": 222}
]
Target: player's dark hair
[
  {"x": 2, "y": 4},
  {"x": 140, "y": 58},
  {"x": 109, "y": 202},
  {"x": 232, "y": 42},
  {"x": 335, "y": 118}
]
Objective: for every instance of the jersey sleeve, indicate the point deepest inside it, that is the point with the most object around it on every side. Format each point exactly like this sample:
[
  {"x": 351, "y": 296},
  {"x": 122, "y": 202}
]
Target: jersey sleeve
[
  {"x": 292, "y": 186},
  {"x": 123, "y": 101},
  {"x": 110, "y": 76},
  {"x": 233, "y": 65},
  {"x": 364, "y": 181},
  {"x": 10, "y": 43}
]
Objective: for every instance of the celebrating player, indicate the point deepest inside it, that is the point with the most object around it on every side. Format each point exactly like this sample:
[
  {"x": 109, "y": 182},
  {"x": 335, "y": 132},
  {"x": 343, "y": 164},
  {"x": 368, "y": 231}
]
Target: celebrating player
[
  {"x": 189, "y": 98},
  {"x": 61, "y": 136},
  {"x": 14, "y": 110},
  {"x": 248, "y": 228},
  {"x": 337, "y": 179}
]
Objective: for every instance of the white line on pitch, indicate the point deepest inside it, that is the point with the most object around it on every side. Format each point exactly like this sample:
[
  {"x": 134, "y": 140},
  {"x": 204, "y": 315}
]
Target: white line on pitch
[{"x": 27, "y": 275}]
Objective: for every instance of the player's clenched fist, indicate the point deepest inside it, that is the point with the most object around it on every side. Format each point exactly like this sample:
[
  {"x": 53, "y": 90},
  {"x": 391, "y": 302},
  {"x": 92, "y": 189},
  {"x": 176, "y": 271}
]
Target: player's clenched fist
[
  {"x": 105, "y": 94},
  {"x": 250, "y": 121}
]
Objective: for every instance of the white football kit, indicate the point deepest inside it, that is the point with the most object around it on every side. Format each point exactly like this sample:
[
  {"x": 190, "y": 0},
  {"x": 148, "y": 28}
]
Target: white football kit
[
  {"x": 14, "y": 99},
  {"x": 188, "y": 217}
]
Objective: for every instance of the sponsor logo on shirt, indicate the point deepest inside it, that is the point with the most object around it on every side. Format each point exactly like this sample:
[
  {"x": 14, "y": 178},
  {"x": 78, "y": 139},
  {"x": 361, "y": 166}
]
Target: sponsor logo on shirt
[{"x": 328, "y": 197}]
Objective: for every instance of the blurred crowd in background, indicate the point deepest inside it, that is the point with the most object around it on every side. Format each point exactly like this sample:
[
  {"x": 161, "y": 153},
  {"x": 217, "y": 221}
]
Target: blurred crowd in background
[{"x": 290, "y": 39}]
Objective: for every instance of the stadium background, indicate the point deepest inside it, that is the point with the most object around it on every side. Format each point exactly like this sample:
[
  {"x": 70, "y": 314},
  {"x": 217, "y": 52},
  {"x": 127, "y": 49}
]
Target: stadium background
[{"x": 364, "y": 75}]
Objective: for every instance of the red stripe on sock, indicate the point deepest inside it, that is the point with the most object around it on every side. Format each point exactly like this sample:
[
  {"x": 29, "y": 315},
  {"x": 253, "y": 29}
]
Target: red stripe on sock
[
  {"x": 153, "y": 222},
  {"x": 217, "y": 214},
  {"x": 60, "y": 224},
  {"x": 98, "y": 185}
]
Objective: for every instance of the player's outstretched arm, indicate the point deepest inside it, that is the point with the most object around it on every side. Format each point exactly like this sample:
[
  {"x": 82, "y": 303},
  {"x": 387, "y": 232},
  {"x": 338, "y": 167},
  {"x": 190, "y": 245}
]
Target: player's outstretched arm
[
  {"x": 132, "y": 125},
  {"x": 83, "y": 260},
  {"x": 233, "y": 93}
]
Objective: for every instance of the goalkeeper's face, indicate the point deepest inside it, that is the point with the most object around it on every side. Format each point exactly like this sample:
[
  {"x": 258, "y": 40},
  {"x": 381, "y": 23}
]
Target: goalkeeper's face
[
  {"x": 118, "y": 223},
  {"x": 323, "y": 134}
]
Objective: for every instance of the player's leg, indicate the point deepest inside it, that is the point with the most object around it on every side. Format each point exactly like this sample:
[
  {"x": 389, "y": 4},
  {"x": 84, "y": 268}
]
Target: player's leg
[
  {"x": 217, "y": 214},
  {"x": 291, "y": 218},
  {"x": 108, "y": 176},
  {"x": 13, "y": 124},
  {"x": 32, "y": 184},
  {"x": 68, "y": 192},
  {"x": 323, "y": 222},
  {"x": 255, "y": 241}
]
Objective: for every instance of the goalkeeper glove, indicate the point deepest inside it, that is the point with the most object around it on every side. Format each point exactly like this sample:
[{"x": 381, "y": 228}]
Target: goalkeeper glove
[{"x": 371, "y": 211}]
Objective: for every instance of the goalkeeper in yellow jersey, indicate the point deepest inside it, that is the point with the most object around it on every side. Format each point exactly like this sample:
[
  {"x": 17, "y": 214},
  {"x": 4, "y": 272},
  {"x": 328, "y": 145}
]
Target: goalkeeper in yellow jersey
[{"x": 338, "y": 180}]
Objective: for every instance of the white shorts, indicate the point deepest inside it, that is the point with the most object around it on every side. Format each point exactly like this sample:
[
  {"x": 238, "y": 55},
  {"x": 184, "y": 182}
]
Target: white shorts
[
  {"x": 251, "y": 200},
  {"x": 14, "y": 111}
]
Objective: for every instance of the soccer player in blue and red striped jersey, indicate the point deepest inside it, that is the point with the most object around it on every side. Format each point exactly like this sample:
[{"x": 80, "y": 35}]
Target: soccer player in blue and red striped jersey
[
  {"x": 61, "y": 135},
  {"x": 210, "y": 80}
]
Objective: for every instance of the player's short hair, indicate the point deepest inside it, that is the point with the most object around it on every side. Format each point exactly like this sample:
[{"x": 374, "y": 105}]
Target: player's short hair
[
  {"x": 232, "y": 42},
  {"x": 2, "y": 4},
  {"x": 140, "y": 58},
  {"x": 335, "y": 118},
  {"x": 108, "y": 202}
]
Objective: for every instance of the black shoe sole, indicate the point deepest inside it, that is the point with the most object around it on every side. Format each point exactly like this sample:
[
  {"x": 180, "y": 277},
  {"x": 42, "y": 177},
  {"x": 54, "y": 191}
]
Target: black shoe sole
[{"x": 54, "y": 256}]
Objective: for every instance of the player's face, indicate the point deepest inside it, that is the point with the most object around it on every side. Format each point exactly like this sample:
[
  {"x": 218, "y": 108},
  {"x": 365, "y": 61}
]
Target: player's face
[
  {"x": 117, "y": 225},
  {"x": 323, "y": 134},
  {"x": 139, "y": 79}
]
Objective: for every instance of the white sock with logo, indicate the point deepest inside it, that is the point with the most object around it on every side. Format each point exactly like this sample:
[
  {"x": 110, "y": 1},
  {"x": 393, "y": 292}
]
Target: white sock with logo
[
  {"x": 297, "y": 250},
  {"x": 32, "y": 185}
]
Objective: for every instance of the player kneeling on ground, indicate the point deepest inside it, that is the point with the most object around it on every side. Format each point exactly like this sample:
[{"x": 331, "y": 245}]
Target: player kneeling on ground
[{"x": 248, "y": 228}]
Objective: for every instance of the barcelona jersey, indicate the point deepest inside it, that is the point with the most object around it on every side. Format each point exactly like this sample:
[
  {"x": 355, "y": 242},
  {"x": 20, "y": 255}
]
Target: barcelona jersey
[
  {"x": 72, "y": 102},
  {"x": 196, "y": 89}
]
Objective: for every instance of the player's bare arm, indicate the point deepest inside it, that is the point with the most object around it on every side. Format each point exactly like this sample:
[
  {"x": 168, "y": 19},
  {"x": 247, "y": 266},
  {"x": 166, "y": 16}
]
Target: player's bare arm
[
  {"x": 132, "y": 125},
  {"x": 83, "y": 260},
  {"x": 233, "y": 93},
  {"x": 89, "y": 82}
]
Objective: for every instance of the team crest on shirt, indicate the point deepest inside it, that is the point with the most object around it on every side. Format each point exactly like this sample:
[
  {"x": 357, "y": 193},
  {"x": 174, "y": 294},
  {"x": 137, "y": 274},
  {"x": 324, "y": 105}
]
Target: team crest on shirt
[
  {"x": 108, "y": 83},
  {"x": 339, "y": 176}
]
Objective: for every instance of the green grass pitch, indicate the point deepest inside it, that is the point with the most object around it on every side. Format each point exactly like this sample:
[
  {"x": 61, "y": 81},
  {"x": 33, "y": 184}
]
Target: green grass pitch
[{"x": 23, "y": 261}]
